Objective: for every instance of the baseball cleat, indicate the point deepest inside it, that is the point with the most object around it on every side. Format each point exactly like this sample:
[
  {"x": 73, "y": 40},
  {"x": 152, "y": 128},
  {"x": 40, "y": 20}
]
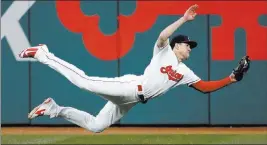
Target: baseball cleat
[
  {"x": 31, "y": 51},
  {"x": 42, "y": 109}
]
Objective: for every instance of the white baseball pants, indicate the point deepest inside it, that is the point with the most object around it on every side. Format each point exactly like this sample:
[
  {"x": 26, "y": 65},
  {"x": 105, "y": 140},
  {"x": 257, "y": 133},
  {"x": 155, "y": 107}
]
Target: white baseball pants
[{"x": 121, "y": 93}]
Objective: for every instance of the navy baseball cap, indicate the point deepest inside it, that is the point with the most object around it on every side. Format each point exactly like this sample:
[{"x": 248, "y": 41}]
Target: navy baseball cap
[{"x": 183, "y": 39}]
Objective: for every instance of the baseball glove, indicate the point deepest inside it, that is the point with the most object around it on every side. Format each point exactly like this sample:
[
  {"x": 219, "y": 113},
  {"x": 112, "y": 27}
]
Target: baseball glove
[{"x": 242, "y": 68}]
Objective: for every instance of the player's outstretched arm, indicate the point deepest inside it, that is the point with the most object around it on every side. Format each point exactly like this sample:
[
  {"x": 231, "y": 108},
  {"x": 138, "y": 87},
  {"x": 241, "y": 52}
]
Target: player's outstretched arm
[
  {"x": 236, "y": 75},
  {"x": 211, "y": 86},
  {"x": 189, "y": 15}
]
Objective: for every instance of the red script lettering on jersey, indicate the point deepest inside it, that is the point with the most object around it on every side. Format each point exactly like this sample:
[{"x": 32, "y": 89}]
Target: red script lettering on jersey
[{"x": 172, "y": 74}]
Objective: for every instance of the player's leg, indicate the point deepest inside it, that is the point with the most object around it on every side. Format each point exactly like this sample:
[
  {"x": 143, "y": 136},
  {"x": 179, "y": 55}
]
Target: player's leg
[
  {"x": 42, "y": 54},
  {"x": 110, "y": 114},
  {"x": 112, "y": 89}
]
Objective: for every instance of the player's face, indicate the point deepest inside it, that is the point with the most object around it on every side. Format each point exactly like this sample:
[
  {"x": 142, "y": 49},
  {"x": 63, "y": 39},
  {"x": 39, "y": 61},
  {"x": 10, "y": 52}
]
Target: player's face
[{"x": 183, "y": 49}]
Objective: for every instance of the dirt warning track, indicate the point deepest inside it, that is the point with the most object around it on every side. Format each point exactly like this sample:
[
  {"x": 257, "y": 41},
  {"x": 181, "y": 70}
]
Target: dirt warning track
[{"x": 133, "y": 130}]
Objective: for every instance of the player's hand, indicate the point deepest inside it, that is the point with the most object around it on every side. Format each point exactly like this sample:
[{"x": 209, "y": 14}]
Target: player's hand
[
  {"x": 241, "y": 69},
  {"x": 190, "y": 14},
  {"x": 232, "y": 78}
]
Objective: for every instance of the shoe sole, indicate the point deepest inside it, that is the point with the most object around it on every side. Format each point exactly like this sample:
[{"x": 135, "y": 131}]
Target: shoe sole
[
  {"x": 30, "y": 115},
  {"x": 21, "y": 54}
]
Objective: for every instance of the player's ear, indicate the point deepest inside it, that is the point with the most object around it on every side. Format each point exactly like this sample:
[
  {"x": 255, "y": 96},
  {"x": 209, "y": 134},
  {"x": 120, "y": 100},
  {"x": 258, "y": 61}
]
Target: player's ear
[{"x": 177, "y": 45}]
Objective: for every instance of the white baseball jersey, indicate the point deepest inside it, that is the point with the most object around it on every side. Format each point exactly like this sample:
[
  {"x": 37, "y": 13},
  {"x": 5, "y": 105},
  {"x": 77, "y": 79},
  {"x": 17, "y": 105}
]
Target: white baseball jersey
[{"x": 165, "y": 72}]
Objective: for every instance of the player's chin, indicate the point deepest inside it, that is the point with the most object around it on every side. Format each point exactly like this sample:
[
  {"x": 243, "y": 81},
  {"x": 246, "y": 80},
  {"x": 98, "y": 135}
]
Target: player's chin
[{"x": 187, "y": 56}]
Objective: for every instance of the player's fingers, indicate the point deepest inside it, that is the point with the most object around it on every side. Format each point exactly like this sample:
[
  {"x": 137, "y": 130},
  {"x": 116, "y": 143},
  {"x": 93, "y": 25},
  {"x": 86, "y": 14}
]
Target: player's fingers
[
  {"x": 192, "y": 9},
  {"x": 195, "y": 7}
]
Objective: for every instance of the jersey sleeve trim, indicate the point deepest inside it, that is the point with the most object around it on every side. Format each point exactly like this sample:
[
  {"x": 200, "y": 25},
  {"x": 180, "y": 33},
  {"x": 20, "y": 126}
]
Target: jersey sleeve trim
[
  {"x": 190, "y": 83},
  {"x": 158, "y": 49},
  {"x": 162, "y": 46}
]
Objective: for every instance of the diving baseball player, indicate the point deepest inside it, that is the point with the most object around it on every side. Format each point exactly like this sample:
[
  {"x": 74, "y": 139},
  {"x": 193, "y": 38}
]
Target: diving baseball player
[{"x": 165, "y": 71}]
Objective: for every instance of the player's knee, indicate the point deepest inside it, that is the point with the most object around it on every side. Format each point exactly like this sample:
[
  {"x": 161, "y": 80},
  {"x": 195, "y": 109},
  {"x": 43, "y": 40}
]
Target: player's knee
[
  {"x": 97, "y": 130},
  {"x": 98, "y": 127}
]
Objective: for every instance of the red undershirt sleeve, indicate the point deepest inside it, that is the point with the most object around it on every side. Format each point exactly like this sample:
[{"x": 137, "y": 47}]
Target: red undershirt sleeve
[{"x": 210, "y": 86}]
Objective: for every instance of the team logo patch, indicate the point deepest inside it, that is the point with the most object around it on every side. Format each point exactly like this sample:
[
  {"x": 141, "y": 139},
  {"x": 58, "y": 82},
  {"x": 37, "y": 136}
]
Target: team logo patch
[{"x": 172, "y": 74}]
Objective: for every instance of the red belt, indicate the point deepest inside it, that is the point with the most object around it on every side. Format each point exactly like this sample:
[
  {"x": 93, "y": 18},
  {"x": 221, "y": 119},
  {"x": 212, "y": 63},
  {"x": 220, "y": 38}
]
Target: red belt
[{"x": 140, "y": 88}]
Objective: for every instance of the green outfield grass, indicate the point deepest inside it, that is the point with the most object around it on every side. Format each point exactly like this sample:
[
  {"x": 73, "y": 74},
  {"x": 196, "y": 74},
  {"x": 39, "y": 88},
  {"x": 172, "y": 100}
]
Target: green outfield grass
[{"x": 137, "y": 139}]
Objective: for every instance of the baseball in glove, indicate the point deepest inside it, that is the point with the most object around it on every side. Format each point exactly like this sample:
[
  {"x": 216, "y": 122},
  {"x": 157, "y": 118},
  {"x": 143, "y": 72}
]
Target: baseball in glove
[{"x": 242, "y": 68}]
